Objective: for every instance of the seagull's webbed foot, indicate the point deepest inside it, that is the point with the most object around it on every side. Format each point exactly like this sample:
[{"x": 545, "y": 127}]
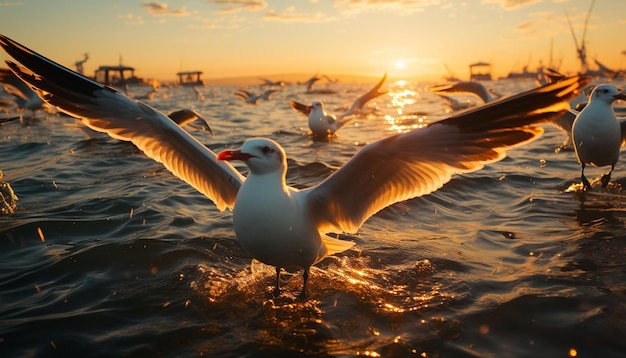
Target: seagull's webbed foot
[
  {"x": 305, "y": 278},
  {"x": 277, "y": 287},
  {"x": 606, "y": 177}
]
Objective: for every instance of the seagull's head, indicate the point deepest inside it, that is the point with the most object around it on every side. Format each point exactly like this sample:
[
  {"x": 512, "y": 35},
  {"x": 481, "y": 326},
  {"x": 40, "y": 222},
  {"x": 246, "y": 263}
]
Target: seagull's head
[
  {"x": 317, "y": 106},
  {"x": 261, "y": 155},
  {"x": 606, "y": 93}
]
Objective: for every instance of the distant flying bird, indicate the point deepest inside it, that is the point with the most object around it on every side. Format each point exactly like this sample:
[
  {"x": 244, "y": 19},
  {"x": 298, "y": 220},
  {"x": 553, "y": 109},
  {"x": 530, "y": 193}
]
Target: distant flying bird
[
  {"x": 324, "y": 125},
  {"x": 597, "y": 134},
  {"x": 309, "y": 83},
  {"x": 280, "y": 225},
  {"x": 331, "y": 80},
  {"x": 270, "y": 83},
  {"x": 253, "y": 98}
]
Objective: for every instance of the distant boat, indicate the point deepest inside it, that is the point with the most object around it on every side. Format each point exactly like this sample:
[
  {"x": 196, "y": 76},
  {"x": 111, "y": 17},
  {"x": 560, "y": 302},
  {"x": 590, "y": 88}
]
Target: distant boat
[
  {"x": 524, "y": 75},
  {"x": 190, "y": 78},
  {"x": 480, "y": 71},
  {"x": 118, "y": 76}
]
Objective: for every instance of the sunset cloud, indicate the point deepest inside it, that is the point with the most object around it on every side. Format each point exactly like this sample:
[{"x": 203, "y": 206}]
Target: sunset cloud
[
  {"x": 400, "y": 7},
  {"x": 290, "y": 14},
  {"x": 131, "y": 19},
  {"x": 162, "y": 9},
  {"x": 511, "y": 4},
  {"x": 240, "y": 5}
]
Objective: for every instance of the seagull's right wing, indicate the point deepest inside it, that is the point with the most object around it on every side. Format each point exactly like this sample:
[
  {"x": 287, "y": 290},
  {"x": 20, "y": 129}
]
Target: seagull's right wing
[
  {"x": 566, "y": 121},
  {"x": 106, "y": 110}
]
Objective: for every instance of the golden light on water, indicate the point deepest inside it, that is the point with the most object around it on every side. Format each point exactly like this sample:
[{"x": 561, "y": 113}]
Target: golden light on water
[{"x": 401, "y": 97}]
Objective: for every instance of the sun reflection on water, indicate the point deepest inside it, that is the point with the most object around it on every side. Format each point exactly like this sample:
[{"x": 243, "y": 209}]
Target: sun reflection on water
[{"x": 401, "y": 97}]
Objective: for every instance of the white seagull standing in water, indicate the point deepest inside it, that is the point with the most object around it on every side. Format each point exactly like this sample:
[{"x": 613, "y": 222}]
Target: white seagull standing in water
[
  {"x": 280, "y": 225},
  {"x": 324, "y": 125},
  {"x": 597, "y": 134}
]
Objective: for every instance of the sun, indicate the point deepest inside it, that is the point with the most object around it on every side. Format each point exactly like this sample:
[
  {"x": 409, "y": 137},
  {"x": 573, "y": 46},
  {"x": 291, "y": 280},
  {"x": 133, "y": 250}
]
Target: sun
[{"x": 400, "y": 65}]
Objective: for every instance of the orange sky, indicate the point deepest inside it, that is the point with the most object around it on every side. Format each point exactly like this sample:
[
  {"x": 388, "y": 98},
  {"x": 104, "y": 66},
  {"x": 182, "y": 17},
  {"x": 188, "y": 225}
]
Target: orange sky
[{"x": 410, "y": 39}]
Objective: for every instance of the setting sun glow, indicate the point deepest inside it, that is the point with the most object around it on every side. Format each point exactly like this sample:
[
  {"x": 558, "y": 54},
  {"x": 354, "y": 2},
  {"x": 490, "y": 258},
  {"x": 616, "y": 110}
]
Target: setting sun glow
[{"x": 400, "y": 65}]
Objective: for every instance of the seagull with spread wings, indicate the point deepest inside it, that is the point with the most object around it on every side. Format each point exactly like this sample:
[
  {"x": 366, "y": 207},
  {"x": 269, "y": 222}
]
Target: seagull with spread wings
[{"x": 278, "y": 224}]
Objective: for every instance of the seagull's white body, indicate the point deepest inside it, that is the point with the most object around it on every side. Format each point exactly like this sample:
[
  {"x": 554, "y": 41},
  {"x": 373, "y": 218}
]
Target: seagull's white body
[
  {"x": 322, "y": 124},
  {"x": 265, "y": 204},
  {"x": 278, "y": 224},
  {"x": 596, "y": 132}
]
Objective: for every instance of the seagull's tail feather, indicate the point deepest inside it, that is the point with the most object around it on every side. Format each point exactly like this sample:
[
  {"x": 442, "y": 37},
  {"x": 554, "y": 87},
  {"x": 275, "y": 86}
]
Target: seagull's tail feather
[{"x": 334, "y": 246}]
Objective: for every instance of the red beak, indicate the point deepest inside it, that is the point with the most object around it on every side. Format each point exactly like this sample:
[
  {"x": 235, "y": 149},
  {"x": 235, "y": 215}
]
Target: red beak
[{"x": 229, "y": 154}]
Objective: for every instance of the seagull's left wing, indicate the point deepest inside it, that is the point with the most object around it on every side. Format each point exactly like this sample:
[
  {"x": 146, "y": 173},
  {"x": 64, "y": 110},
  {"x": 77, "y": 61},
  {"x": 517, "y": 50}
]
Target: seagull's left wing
[
  {"x": 106, "y": 110},
  {"x": 418, "y": 162},
  {"x": 302, "y": 108},
  {"x": 357, "y": 106}
]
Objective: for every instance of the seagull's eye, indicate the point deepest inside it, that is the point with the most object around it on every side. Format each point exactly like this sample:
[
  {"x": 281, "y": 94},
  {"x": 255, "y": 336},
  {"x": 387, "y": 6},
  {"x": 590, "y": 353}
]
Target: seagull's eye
[{"x": 267, "y": 150}]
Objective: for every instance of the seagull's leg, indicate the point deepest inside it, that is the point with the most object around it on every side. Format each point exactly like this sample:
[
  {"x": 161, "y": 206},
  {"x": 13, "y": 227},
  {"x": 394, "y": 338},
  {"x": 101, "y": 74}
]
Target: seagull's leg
[
  {"x": 305, "y": 278},
  {"x": 586, "y": 184},
  {"x": 277, "y": 288},
  {"x": 606, "y": 177}
]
